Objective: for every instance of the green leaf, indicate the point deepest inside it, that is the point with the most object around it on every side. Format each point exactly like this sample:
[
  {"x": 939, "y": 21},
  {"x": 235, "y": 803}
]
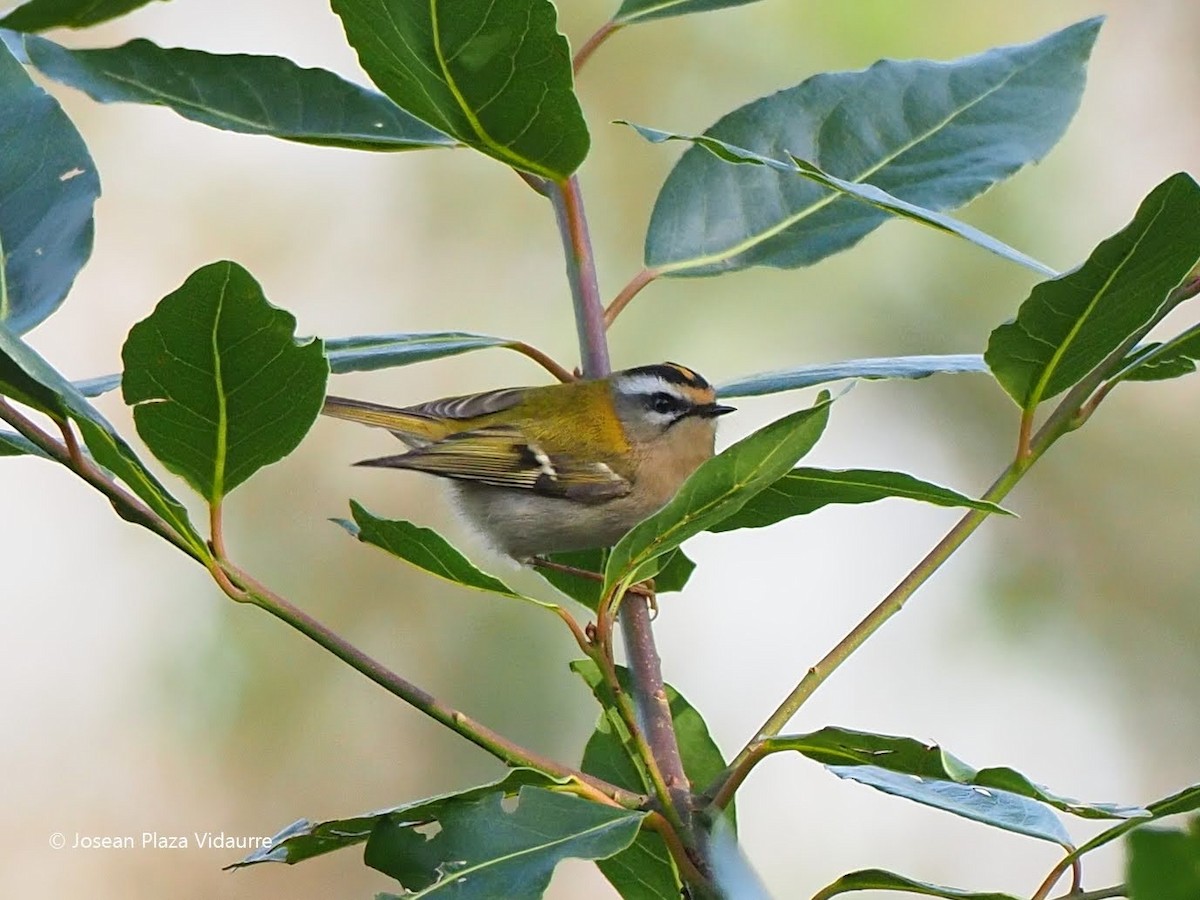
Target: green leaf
[
  {"x": 1164, "y": 865},
  {"x": 28, "y": 378},
  {"x": 428, "y": 551},
  {"x": 863, "y": 192},
  {"x": 1159, "y": 362},
  {"x": 931, "y": 134},
  {"x": 1070, "y": 324},
  {"x": 802, "y": 491},
  {"x": 674, "y": 574},
  {"x": 383, "y": 351},
  {"x": 303, "y": 839},
  {"x": 719, "y": 488},
  {"x": 633, "y": 11},
  {"x": 218, "y": 384},
  {"x": 1184, "y": 801},
  {"x": 265, "y": 95},
  {"x": 38, "y": 15},
  {"x": 1000, "y": 809},
  {"x": 645, "y": 869},
  {"x": 850, "y": 750},
  {"x": 48, "y": 185},
  {"x": 484, "y": 850},
  {"x": 13, "y": 444},
  {"x": 495, "y": 76},
  {"x": 871, "y": 369},
  {"x": 879, "y": 880}
]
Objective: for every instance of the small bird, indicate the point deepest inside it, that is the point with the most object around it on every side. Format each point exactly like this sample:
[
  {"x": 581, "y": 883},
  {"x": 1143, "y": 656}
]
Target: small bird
[{"x": 571, "y": 466}]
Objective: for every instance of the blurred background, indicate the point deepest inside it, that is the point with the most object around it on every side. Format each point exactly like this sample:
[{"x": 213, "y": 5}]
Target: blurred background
[{"x": 136, "y": 698}]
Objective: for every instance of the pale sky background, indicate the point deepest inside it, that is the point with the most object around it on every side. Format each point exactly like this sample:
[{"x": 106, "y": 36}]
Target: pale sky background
[{"x": 136, "y": 698}]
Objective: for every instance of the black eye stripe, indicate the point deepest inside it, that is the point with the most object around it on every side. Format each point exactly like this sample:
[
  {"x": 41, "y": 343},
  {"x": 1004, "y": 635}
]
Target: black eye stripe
[{"x": 665, "y": 403}]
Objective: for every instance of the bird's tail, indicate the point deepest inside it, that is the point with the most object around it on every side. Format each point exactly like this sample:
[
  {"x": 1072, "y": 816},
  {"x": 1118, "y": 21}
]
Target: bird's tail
[{"x": 414, "y": 429}]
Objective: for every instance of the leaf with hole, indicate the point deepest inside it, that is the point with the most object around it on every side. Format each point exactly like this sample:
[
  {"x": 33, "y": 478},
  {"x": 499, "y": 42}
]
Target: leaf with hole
[
  {"x": 48, "y": 187},
  {"x": 483, "y": 849},
  {"x": 265, "y": 95},
  {"x": 495, "y": 76},
  {"x": 804, "y": 490},
  {"x": 218, "y": 383},
  {"x": 304, "y": 839},
  {"x": 932, "y": 134},
  {"x": 1069, "y": 325},
  {"x": 719, "y": 488}
]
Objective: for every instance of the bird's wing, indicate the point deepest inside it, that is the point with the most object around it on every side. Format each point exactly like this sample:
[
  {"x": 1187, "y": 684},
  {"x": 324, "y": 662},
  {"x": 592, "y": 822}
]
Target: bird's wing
[
  {"x": 470, "y": 406},
  {"x": 502, "y": 457}
]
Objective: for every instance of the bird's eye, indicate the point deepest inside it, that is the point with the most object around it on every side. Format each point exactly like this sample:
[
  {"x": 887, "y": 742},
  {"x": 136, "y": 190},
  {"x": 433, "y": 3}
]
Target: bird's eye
[{"x": 664, "y": 403}]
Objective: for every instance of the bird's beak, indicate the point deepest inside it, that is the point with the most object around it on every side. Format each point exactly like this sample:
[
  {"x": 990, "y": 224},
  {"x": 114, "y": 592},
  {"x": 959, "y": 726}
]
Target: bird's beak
[{"x": 712, "y": 410}]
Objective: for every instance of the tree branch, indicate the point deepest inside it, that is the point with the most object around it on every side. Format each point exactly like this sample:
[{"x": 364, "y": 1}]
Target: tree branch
[
  {"x": 251, "y": 590},
  {"x": 648, "y": 692}
]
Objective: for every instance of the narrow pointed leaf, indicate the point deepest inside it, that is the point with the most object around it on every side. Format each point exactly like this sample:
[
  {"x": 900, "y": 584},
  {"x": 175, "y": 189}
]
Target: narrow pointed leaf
[
  {"x": 676, "y": 569},
  {"x": 1164, "y": 865},
  {"x": 1184, "y": 801},
  {"x": 633, "y": 11},
  {"x": 719, "y": 488},
  {"x": 48, "y": 186},
  {"x": 495, "y": 76},
  {"x": 803, "y": 490},
  {"x": 265, "y": 95},
  {"x": 28, "y": 378},
  {"x": 1070, "y": 324},
  {"x": 1173, "y": 359},
  {"x": 871, "y": 369},
  {"x": 880, "y": 880},
  {"x": 931, "y": 134},
  {"x": 483, "y": 850},
  {"x": 304, "y": 839},
  {"x": 218, "y": 383},
  {"x": 384, "y": 351},
  {"x": 645, "y": 869},
  {"x": 1000, "y": 809},
  {"x": 843, "y": 747},
  {"x": 429, "y": 551},
  {"x": 861, "y": 191},
  {"x": 13, "y": 444},
  {"x": 367, "y": 353},
  {"x": 38, "y": 15}
]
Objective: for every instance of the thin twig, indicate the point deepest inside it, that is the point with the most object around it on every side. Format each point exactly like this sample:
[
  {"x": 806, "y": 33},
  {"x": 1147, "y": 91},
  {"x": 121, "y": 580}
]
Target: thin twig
[
  {"x": 130, "y": 507},
  {"x": 639, "y": 281},
  {"x": 502, "y": 748},
  {"x": 1070, "y": 414},
  {"x": 544, "y": 360},
  {"x": 603, "y": 33},
  {"x": 1117, "y": 890}
]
